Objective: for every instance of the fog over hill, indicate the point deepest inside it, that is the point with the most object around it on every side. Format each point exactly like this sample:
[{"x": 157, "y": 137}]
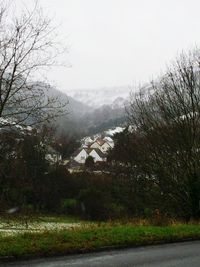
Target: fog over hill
[
  {"x": 75, "y": 108},
  {"x": 97, "y": 97},
  {"x": 88, "y": 111},
  {"x": 91, "y": 111}
]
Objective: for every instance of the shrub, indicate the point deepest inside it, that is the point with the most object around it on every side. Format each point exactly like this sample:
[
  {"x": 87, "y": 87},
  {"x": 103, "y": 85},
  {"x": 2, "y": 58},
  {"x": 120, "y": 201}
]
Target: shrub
[
  {"x": 116, "y": 211},
  {"x": 69, "y": 205},
  {"x": 96, "y": 203}
]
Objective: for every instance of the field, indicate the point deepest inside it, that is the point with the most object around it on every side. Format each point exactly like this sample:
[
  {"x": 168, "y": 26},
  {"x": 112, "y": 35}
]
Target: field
[
  {"x": 59, "y": 236},
  {"x": 16, "y": 226}
]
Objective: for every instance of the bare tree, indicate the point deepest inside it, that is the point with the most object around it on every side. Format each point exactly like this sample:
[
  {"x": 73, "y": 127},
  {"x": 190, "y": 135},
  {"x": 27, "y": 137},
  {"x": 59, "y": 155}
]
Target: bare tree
[
  {"x": 167, "y": 121},
  {"x": 27, "y": 45}
]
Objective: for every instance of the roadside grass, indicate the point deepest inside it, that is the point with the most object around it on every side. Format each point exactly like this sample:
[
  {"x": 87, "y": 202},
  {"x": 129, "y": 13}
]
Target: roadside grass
[{"x": 92, "y": 237}]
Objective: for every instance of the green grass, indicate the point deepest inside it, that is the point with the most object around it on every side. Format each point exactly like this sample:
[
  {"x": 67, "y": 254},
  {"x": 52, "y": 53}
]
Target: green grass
[{"x": 92, "y": 237}]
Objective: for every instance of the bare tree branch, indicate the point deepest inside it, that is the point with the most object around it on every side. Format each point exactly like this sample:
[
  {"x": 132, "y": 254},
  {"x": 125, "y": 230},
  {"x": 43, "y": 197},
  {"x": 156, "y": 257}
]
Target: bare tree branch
[{"x": 27, "y": 44}]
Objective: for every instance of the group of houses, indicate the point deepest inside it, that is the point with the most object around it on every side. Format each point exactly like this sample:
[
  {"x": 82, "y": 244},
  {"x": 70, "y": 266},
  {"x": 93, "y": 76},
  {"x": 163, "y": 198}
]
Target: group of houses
[{"x": 97, "y": 148}]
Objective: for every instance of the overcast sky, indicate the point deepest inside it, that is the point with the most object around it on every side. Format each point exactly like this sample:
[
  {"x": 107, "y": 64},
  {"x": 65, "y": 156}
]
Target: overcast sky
[{"x": 121, "y": 42}]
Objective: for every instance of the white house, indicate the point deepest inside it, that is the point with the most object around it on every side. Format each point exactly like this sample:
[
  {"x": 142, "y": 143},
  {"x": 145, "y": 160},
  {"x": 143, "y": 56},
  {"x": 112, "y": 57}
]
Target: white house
[
  {"x": 81, "y": 155},
  {"x": 97, "y": 155},
  {"x": 105, "y": 147},
  {"x": 95, "y": 145},
  {"x": 109, "y": 140},
  {"x": 86, "y": 141},
  {"x": 102, "y": 145}
]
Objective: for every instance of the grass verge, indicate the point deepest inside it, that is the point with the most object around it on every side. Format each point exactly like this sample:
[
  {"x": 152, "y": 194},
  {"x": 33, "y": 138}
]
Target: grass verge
[{"x": 91, "y": 238}]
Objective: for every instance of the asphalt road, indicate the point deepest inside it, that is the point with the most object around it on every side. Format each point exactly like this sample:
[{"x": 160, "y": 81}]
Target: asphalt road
[{"x": 185, "y": 254}]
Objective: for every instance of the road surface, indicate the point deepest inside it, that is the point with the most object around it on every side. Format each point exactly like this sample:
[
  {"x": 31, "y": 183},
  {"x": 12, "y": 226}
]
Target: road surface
[{"x": 168, "y": 255}]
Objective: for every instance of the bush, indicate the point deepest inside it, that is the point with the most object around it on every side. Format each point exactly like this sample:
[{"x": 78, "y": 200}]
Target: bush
[
  {"x": 69, "y": 205},
  {"x": 96, "y": 203},
  {"x": 116, "y": 211},
  {"x": 148, "y": 213}
]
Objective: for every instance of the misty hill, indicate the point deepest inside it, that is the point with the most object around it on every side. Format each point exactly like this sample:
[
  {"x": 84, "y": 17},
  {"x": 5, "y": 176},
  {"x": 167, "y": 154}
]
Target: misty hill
[
  {"x": 74, "y": 107},
  {"x": 104, "y": 117},
  {"x": 88, "y": 119},
  {"x": 83, "y": 119},
  {"x": 98, "y": 97}
]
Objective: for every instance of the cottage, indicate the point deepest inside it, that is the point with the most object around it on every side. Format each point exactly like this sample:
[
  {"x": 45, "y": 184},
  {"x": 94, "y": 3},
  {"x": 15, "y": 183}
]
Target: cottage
[
  {"x": 82, "y": 154},
  {"x": 97, "y": 155},
  {"x": 102, "y": 145},
  {"x": 95, "y": 145},
  {"x": 109, "y": 140},
  {"x": 105, "y": 147}
]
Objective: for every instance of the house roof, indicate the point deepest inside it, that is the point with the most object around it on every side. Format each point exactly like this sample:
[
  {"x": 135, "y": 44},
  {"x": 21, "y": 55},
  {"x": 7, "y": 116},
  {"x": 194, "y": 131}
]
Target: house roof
[
  {"x": 78, "y": 151},
  {"x": 88, "y": 151},
  {"x": 99, "y": 152},
  {"x": 108, "y": 139},
  {"x": 100, "y": 141},
  {"x": 92, "y": 143}
]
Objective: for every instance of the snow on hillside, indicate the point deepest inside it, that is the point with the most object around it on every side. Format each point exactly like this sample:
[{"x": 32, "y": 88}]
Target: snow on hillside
[
  {"x": 115, "y": 96},
  {"x": 9, "y": 124},
  {"x": 111, "y": 132}
]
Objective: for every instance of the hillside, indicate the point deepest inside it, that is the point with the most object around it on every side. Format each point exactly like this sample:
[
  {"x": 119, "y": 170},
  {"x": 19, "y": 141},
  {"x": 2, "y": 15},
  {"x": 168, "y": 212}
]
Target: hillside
[
  {"x": 97, "y": 97},
  {"x": 93, "y": 117}
]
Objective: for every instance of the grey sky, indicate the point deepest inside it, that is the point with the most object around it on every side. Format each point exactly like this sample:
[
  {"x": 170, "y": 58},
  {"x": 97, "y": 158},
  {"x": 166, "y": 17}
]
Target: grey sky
[{"x": 120, "y": 42}]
